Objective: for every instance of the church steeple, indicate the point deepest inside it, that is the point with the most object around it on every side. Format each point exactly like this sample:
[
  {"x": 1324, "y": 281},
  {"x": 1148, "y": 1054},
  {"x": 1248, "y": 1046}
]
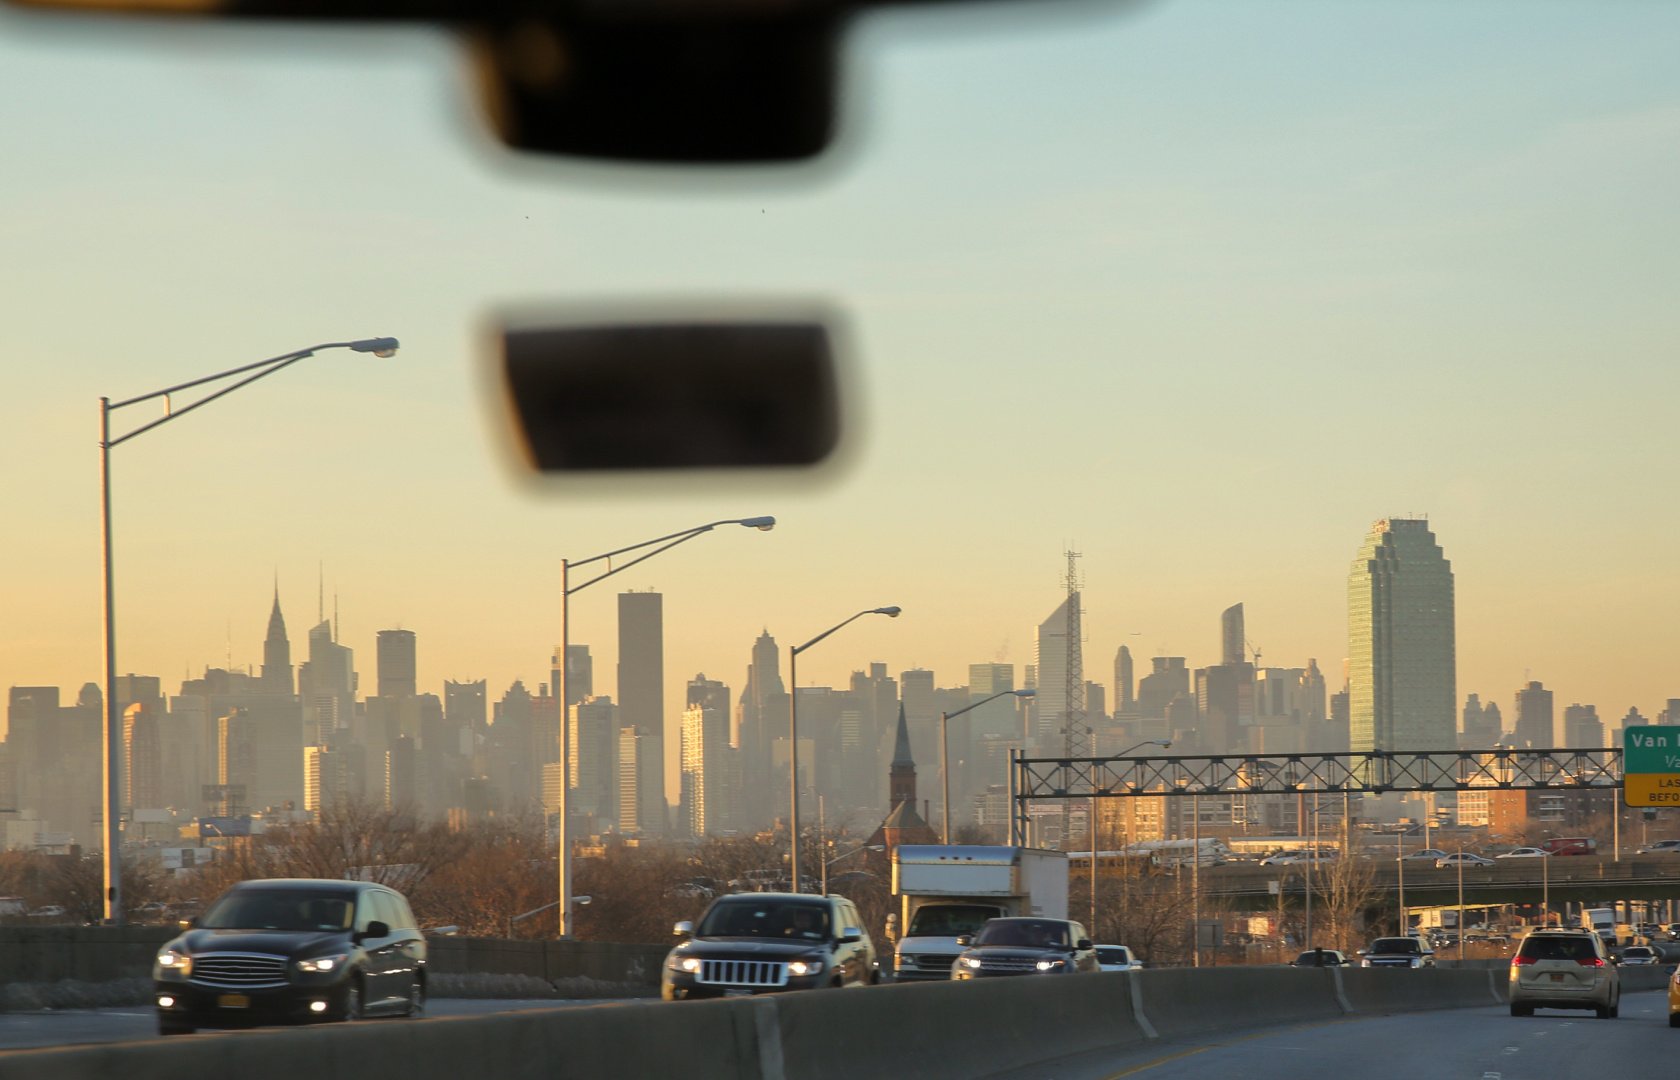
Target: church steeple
[{"x": 901, "y": 778}]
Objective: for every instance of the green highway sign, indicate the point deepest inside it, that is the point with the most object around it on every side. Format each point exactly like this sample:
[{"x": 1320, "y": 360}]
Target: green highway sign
[{"x": 1651, "y": 766}]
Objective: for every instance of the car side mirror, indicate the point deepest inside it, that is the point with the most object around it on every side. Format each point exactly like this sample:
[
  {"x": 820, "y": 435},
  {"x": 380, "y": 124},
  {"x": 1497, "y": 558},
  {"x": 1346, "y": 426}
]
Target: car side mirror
[
  {"x": 850, "y": 934},
  {"x": 375, "y": 929},
  {"x": 1361, "y": 952},
  {"x": 683, "y": 929},
  {"x": 186, "y": 924},
  {"x": 965, "y": 940},
  {"x": 1083, "y": 943}
]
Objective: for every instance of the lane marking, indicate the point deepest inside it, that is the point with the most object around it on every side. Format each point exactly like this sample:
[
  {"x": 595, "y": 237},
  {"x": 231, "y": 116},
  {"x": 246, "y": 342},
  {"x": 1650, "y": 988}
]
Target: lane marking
[{"x": 1135, "y": 1069}]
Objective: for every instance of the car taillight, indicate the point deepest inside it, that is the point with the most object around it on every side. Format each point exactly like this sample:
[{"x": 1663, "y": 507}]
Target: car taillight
[
  {"x": 1520, "y": 961},
  {"x": 1594, "y": 962}
]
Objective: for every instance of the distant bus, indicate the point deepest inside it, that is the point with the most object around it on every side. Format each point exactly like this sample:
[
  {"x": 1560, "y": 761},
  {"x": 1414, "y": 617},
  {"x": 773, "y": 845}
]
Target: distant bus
[{"x": 1569, "y": 845}]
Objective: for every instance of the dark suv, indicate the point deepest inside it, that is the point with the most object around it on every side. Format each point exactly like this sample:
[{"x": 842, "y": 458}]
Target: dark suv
[
  {"x": 291, "y": 950},
  {"x": 760, "y": 943},
  {"x": 1019, "y": 946},
  {"x": 1396, "y": 952}
]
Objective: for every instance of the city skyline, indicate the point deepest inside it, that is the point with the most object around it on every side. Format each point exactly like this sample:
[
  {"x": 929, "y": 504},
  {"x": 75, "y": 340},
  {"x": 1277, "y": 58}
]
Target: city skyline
[{"x": 1271, "y": 275}]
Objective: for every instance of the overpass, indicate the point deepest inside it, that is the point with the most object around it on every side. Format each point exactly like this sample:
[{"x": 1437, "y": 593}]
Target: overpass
[{"x": 1573, "y": 879}]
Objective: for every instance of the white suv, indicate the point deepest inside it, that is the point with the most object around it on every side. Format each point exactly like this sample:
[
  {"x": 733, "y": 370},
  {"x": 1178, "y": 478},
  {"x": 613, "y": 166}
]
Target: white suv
[{"x": 1564, "y": 969}]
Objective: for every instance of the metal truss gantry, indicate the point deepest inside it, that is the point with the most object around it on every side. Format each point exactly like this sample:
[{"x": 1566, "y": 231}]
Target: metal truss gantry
[{"x": 1356, "y": 772}]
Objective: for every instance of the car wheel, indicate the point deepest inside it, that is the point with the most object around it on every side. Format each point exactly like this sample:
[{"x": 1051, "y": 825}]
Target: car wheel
[
  {"x": 171, "y": 1027},
  {"x": 1522, "y": 1010},
  {"x": 352, "y": 1001},
  {"x": 1604, "y": 1012},
  {"x": 416, "y": 998},
  {"x": 1674, "y": 1019}
]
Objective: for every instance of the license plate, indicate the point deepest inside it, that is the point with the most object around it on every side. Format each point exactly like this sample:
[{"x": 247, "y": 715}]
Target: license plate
[
  {"x": 737, "y": 993},
  {"x": 233, "y": 1001},
  {"x": 1557, "y": 977}
]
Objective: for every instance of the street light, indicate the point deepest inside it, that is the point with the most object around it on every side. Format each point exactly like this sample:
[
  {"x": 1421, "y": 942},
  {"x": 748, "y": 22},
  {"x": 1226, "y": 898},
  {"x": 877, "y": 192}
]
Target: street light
[
  {"x": 793, "y": 729},
  {"x": 944, "y": 757},
  {"x": 112, "y": 800},
  {"x": 658, "y": 544}
]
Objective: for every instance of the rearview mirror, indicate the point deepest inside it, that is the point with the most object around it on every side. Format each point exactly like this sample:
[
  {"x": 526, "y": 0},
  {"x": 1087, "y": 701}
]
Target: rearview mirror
[
  {"x": 1083, "y": 943},
  {"x": 965, "y": 940},
  {"x": 850, "y": 934},
  {"x": 683, "y": 929},
  {"x": 674, "y": 394}
]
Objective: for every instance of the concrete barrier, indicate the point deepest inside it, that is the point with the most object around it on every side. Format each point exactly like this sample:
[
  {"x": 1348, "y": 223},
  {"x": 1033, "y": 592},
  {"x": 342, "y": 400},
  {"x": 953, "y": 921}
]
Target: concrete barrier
[
  {"x": 954, "y": 1029},
  {"x": 1389, "y": 990},
  {"x": 48, "y": 954},
  {"x": 1193, "y": 1001}
]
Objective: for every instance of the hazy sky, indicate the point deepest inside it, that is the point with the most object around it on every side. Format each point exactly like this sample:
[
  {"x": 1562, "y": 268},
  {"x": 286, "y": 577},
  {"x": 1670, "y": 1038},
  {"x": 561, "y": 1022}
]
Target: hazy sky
[{"x": 1200, "y": 289}]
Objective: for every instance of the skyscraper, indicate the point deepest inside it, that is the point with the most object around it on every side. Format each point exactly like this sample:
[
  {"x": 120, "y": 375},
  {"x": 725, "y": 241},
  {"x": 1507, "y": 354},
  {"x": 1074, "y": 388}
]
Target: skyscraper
[
  {"x": 641, "y": 693},
  {"x": 580, "y": 673},
  {"x": 707, "y": 802},
  {"x": 1582, "y": 728},
  {"x": 1535, "y": 723},
  {"x": 277, "y": 652},
  {"x": 1233, "y": 647},
  {"x": 1056, "y": 652},
  {"x": 1123, "y": 682},
  {"x": 1402, "y": 668},
  {"x": 394, "y": 656},
  {"x": 763, "y": 701}
]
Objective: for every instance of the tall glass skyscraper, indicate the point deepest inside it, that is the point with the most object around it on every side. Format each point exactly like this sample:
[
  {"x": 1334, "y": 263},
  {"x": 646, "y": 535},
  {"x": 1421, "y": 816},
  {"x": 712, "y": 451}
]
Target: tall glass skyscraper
[{"x": 1402, "y": 668}]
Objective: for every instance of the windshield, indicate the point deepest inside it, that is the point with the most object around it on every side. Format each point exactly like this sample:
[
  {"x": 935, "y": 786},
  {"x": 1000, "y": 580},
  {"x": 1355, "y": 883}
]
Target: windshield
[
  {"x": 1395, "y": 945},
  {"x": 1215, "y": 370},
  {"x": 776, "y": 919},
  {"x": 1031, "y": 933},
  {"x": 1110, "y": 955},
  {"x": 949, "y": 920},
  {"x": 278, "y": 910}
]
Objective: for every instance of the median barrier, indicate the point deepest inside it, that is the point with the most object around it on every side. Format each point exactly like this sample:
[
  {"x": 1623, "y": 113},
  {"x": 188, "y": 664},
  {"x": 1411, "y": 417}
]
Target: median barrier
[
  {"x": 953, "y": 1029},
  {"x": 698, "y": 1041},
  {"x": 1386, "y": 990},
  {"x": 1193, "y": 1001},
  {"x": 1645, "y": 977}
]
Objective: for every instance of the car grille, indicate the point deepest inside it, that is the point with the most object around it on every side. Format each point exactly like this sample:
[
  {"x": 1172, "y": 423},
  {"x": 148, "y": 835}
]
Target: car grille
[
  {"x": 934, "y": 963},
  {"x": 1010, "y": 964},
  {"x": 743, "y": 973},
  {"x": 239, "y": 971},
  {"x": 1384, "y": 962}
]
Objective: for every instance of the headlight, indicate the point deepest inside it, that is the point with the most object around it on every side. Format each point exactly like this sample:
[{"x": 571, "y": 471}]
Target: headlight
[
  {"x": 1364, "y": 963},
  {"x": 1417, "y": 961},
  {"x": 1050, "y": 965},
  {"x": 690, "y": 964},
  {"x": 969, "y": 961},
  {"x": 809, "y": 966},
  {"x": 175, "y": 962},
  {"x": 323, "y": 964}
]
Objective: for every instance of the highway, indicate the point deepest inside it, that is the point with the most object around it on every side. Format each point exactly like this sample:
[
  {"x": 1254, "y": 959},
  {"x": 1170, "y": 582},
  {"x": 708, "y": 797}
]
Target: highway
[
  {"x": 1472, "y": 1044},
  {"x": 69, "y": 1027}
]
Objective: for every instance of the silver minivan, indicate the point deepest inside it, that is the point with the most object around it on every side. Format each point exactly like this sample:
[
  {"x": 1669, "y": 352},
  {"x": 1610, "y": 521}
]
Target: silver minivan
[{"x": 1564, "y": 969}]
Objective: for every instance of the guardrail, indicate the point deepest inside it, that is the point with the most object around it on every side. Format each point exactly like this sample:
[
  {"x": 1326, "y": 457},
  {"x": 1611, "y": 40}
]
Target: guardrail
[{"x": 932, "y": 1030}]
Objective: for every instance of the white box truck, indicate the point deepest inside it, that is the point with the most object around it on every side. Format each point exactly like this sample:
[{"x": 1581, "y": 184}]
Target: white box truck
[{"x": 948, "y": 890}]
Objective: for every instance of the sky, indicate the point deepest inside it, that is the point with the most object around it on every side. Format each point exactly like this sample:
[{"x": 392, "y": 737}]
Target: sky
[{"x": 1197, "y": 289}]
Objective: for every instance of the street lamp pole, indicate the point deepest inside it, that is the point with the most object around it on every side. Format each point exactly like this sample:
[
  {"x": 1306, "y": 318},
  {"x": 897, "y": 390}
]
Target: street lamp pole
[
  {"x": 793, "y": 730},
  {"x": 658, "y": 544},
  {"x": 111, "y": 801},
  {"x": 944, "y": 755}
]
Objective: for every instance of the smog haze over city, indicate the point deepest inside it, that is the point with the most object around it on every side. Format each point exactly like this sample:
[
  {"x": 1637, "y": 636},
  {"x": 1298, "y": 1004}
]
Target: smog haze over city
[{"x": 1203, "y": 324}]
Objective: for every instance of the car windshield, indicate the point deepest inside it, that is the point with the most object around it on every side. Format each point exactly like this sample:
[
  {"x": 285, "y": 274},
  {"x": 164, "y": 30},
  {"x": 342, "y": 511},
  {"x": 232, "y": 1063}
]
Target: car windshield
[
  {"x": 773, "y": 919},
  {"x": 1110, "y": 955},
  {"x": 1395, "y": 945},
  {"x": 1636, "y": 951},
  {"x": 949, "y": 920},
  {"x": 290, "y": 909},
  {"x": 1274, "y": 390},
  {"x": 1030, "y": 933}
]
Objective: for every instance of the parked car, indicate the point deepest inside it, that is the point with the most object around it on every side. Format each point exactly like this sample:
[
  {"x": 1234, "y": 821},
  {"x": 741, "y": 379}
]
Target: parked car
[
  {"x": 1116, "y": 958},
  {"x": 1525, "y": 853},
  {"x": 1639, "y": 956},
  {"x": 1025, "y": 946},
  {"x": 1320, "y": 958},
  {"x": 1462, "y": 858},
  {"x": 1396, "y": 952},
  {"x": 1565, "y": 969},
  {"x": 290, "y": 950},
  {"x": 1660, "y": 847},
  {"x": 761, "y": 943}
]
